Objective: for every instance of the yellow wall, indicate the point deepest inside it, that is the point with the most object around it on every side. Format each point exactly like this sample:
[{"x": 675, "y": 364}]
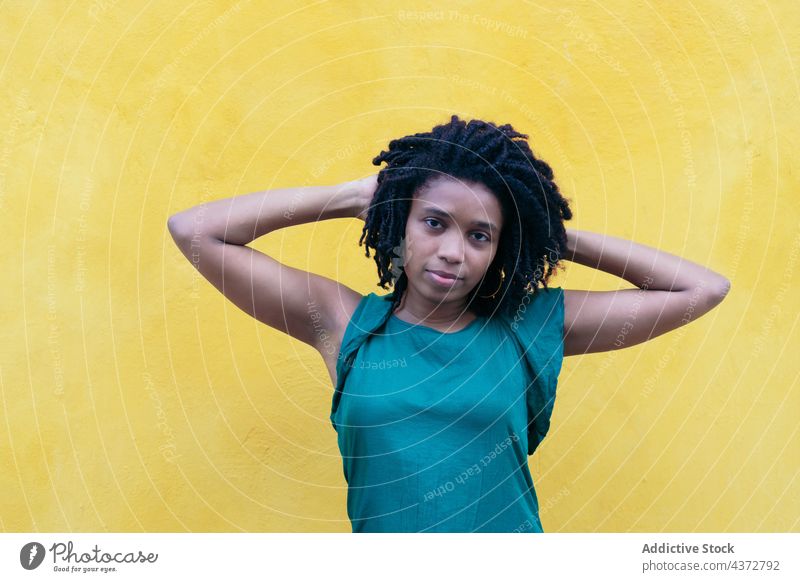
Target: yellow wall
[{"x": 135, "y": 398}]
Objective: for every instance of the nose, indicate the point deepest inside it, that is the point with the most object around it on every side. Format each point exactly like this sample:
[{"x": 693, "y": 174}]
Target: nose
[{"x": 451, "y": 247}]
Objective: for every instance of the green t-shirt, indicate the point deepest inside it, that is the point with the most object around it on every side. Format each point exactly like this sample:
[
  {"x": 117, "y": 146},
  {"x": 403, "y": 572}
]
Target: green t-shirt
[{"x": 435, "y": 428}]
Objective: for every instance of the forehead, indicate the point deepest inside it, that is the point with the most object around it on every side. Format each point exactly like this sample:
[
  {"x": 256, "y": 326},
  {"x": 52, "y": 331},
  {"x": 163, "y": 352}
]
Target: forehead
[{"x": 461, "y": 200}]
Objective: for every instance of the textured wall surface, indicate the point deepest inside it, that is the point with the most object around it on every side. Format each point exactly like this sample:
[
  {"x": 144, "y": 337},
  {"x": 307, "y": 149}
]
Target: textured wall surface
[{"x": 136, "y": 398}]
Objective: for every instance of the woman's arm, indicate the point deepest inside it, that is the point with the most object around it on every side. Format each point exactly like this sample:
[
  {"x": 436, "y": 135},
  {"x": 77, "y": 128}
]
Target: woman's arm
[
  {"x": 672, "y": 292},
  {"x": 242, "y": 219},
  {"x": 213, "y": 236}
]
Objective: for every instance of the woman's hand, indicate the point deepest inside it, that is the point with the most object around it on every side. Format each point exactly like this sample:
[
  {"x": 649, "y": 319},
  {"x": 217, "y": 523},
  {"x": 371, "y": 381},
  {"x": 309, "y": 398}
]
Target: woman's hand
[
  {"x": 362, "y": 191},
  {"x": 572, "y": 235}
]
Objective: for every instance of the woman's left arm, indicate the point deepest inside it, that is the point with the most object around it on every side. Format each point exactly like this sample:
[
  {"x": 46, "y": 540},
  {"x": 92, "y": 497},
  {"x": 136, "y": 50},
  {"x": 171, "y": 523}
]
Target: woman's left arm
[{"x": 671, "y": 292}]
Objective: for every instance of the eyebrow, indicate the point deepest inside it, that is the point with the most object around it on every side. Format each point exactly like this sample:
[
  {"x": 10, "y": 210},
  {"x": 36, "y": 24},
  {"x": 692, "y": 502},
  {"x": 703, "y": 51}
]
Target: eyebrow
[{"x": 443, "y": 214}]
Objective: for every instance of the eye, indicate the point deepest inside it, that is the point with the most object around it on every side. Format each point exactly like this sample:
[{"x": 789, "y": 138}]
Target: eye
[{"x": 485, "y": 238}]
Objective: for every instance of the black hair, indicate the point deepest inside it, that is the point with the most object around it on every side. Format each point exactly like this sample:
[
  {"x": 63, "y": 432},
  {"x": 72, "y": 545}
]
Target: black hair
[{"x": 532, "y": 239}]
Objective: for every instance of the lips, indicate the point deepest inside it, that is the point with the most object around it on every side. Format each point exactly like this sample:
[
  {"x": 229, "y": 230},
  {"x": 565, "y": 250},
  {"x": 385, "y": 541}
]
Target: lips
[{"x": 444, "y": 274}]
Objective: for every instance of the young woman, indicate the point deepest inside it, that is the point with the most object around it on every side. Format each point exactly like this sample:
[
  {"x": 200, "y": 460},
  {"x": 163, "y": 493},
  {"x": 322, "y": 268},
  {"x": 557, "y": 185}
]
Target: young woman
[{"x": 444, "y": 386}]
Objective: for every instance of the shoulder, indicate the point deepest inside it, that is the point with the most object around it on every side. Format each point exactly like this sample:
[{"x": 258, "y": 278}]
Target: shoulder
[
  {"x": 350, "y": 304},
  {"x": 360, "y": 316},
  {"x": 362, "y": 311},
  {"x": 540, "y": 307}
]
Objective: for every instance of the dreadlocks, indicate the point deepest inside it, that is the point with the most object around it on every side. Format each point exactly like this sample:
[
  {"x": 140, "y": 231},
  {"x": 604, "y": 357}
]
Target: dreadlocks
[{"x": 533, "y": 237}]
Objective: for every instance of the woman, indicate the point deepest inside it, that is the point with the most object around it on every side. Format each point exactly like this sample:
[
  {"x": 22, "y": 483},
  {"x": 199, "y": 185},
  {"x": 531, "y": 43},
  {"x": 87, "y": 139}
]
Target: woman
[{"x": 444, "y": 386}]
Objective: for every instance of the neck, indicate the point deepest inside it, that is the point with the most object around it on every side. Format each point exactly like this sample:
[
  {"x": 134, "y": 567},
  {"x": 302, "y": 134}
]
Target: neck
[{"x": 418, "y": 309}]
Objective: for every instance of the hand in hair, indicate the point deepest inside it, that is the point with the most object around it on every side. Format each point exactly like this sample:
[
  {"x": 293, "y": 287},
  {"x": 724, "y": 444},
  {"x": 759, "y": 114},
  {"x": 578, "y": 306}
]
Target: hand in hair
[{"x": 364, "y": 189}]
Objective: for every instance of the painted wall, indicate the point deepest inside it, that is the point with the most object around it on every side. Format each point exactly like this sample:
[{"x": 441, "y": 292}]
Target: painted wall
[{"x": 136, "y": 398}]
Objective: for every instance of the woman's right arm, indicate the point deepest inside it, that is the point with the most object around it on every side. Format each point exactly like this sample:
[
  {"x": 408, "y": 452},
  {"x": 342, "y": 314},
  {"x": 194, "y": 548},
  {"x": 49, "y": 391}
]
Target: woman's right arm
[{"x": 213, "y": 237}]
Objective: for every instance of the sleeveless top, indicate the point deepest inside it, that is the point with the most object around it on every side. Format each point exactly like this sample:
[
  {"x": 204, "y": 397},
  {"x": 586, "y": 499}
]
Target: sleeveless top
[{"x": 435, "y": 428}]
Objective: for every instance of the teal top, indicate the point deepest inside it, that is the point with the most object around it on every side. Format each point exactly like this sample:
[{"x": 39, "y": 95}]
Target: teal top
[{"x": 435, "y": 428}]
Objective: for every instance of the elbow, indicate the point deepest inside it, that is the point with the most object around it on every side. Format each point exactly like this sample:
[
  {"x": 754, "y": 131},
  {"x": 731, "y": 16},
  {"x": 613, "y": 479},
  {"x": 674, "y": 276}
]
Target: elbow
[
  {"x": 719, "y": 290},
  {"x": 181, "y": 230},
  {"x": 723, "y": 288},
  {"x": 178, "y": 227}
]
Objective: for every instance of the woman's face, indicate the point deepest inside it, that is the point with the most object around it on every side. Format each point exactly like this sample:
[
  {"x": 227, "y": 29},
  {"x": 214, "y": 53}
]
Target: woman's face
[{"x": 454, "y": 228}]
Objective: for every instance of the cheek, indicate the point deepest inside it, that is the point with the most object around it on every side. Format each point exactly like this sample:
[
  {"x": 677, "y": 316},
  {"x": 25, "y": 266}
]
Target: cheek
[
  {"x": 419, "y": 246},
  {"x": 481, "y": 264},
  {"x": 417, "y": 252}
]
